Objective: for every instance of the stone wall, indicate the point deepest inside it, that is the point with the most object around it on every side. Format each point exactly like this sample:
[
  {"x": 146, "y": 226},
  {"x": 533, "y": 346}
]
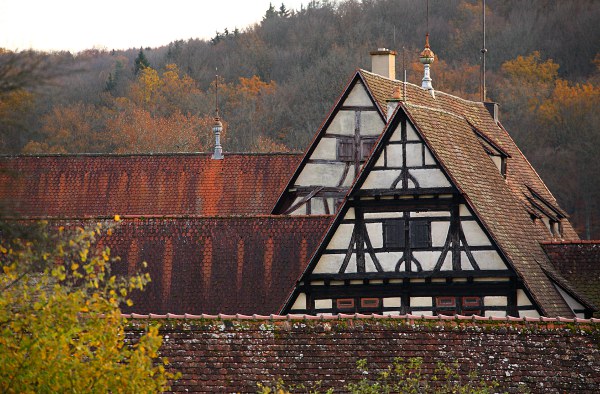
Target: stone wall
[{"x": 233, "y": 355}]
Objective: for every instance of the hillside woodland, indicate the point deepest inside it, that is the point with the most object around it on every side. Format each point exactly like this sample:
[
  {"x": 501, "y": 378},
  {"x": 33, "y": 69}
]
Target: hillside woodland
[{"x": 279, "y": 77}]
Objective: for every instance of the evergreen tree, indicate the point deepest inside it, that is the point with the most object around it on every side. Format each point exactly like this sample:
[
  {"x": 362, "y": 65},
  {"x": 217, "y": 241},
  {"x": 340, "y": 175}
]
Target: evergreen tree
[
  {"x": 283, "y": 11},
  {"x": 271, "y": 13},
  {"x": 141, "y": 62}
]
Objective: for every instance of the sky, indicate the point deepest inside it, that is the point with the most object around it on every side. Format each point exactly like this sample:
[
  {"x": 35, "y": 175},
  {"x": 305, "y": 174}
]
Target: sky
[{"x": 75, "y": 25}]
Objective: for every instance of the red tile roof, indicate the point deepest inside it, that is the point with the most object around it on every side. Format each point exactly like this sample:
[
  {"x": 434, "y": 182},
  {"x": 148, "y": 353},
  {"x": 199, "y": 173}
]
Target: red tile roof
[
  {"x": 214, "y": 264},
  {"x": 91, "y": 185},
  {"x": 579, "y": 262}
]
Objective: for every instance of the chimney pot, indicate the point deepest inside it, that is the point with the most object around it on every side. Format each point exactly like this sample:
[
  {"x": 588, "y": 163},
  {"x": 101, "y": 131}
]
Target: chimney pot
[
  {"x": 493, "y": 109},
  {"x": 383, "y": 62}
]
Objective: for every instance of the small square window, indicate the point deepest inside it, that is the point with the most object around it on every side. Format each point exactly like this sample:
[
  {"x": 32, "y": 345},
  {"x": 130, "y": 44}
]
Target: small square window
[
  {"x": 345, "y": 150},
  {"x": 445, "y": 302},
  {"x": 471, "y": 302},
  {"x": 420, "y": 234},
  {"x": 393, "y": 233},
  {"x": 369, "y": 303},
  {"x": 365, "y": 148},
  {"x": 345, "y": 303}
]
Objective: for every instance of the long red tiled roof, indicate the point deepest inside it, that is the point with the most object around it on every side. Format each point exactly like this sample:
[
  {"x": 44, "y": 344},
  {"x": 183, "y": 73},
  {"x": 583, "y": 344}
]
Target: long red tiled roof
[
  {"x": 92, "y": 185},
  {"x": 214, "y": 264}
]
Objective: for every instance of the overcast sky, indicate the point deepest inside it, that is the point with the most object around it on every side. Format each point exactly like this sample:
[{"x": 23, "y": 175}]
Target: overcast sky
[{"x": 75, "y": 25}]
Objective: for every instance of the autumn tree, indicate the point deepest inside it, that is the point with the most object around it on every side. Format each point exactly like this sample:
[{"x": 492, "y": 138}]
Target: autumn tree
[{"x": 61, "y": 329}]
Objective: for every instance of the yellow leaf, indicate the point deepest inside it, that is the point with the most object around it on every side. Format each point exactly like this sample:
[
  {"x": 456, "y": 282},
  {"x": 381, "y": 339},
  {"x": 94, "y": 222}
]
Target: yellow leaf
[{"x": 117, "y": 218}]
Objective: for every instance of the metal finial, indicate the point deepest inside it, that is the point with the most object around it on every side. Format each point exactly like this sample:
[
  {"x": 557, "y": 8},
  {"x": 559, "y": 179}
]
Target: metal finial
[{"x": 217, "y": 126}]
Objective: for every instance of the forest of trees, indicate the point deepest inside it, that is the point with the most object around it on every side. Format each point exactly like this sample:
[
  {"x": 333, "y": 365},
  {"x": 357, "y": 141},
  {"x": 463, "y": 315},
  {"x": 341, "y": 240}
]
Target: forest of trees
[{"x": 279, "y": 77}]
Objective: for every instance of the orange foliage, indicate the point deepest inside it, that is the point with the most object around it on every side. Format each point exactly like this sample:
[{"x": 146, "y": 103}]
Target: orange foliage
[
  {"x": 531, "y": 69},
  {"x": 266, "y": 145}
]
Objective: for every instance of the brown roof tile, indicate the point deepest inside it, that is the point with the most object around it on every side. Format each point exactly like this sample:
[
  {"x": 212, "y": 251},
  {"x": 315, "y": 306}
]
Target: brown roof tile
[
  {"x": 159, "y": 184},
  {"x": 579, "y": 262},
  {"x": 215, "y": 264}
]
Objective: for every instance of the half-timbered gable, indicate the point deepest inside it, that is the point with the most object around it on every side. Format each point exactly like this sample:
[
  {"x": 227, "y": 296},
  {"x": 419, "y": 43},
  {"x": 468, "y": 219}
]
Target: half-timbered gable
[
  {"x": 431, "y": 226},
  {"x": 336, "y": 155}
]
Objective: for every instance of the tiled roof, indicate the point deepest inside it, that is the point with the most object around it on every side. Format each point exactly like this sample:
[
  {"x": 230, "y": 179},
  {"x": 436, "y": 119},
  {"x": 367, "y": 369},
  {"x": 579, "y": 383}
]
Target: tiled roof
[
  {"x": 154, "y": 184},
  {"x": 520, "y": 177},
  {"x": 214, "y": 264},
  {"x": 446, "y": 125},
  {"x": 579, "y": 262}
]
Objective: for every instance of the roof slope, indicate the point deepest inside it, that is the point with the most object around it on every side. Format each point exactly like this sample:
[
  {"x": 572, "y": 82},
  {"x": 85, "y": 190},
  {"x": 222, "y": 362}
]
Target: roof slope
[
  {"x": 579, "y": 262},
  {"x": 154, "y": 184},
  {"x": 214, "y": 264},
  {"x": 520, "y": 177}
]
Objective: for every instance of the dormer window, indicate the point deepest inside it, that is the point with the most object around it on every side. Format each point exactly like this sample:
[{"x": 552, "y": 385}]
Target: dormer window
[{"x": 345, "y": 150}]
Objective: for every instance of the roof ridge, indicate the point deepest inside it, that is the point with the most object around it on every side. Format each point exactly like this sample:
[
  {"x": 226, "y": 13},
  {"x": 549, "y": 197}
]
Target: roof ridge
[
  {"x": 113, "y": 154},
  {"x": 476, "y": 103},
  {"x": 123, "y": 217},
  {"x": 462, "y": 117},
  {"x": 572, "y": 242}
]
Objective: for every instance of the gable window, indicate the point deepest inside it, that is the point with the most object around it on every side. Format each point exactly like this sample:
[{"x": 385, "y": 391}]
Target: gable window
[
  {"x": 345, "y": 150},
  {"x": 394, "y": 234},
  {"x": 450, "y": 306},
  {"x": 345, "y": 304},
  {"x": 365, "y": 148},
  {"x": 420, "y": 234}
]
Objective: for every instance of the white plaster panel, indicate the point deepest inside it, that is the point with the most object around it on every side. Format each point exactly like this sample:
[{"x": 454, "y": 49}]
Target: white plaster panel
[
  {"x": 532, "y": 313},
  {"x": 342, "y": 236},
  {"x": 495, "y": 313},
  {"x": 343, "y": 123},
  {"x": 392, "y": 313},
  {"x": 369, "y": 265},
  {"x": 320, "y": 174},
  {"x": 429, "y": 214},
  {"x": 375, "y": 231},
  {"x": 414, "y": 155},
  {"x": 427, "y": 259},
  {"x": 463, "y": 210},
  {"x": 383, "y": 215},
  {"x": 316, "y": 206},
  {"x": 488, "y": 260},
  {"x": 388, "y": 260},
  {"x": 397, "y": 134},
  {"x": 380, "y": 161},
  {"x": 370, "y": 123},
  {"x": 394, "y": 155},
  {"x": 522, "y": 298},
  {"x": 391, "y": 302},
  {"x": 301, "y": 210},
  {"x": 323, "y": 304},
  {"x": 498, "y": 162},
  {"x": 447, "y": 264},
  {"x": 358, "y": 96},
  {"x": 421, "y": 301},
  {"x": 439, "y": 233},
  {"x": 430, "y": 178},
  {"x": 349, "y": 177},
  {"x": 349, "y": 214},
  {"x": 336, "y": 283},
  {"x": 429, "y": 159},
  {"x": 491, "y": 279},
  {"x": 474, "y": 233},
  {"x": 376, "y": 281},
  {"x": 495, "y": 301},
  {"x": 329, "y": 264},
  {"x": 300, "y": 302},
  {"x": 572, "y": 302},
  {"x": 380, "y": 179},
  {"x": 465, "y": 264},
  {"x": 411, "y": 134},
  {"x": 326, "y": 149}
]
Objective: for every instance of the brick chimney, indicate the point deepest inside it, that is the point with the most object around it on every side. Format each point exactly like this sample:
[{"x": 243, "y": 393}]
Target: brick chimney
[{"x": 383, "y": 62}]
